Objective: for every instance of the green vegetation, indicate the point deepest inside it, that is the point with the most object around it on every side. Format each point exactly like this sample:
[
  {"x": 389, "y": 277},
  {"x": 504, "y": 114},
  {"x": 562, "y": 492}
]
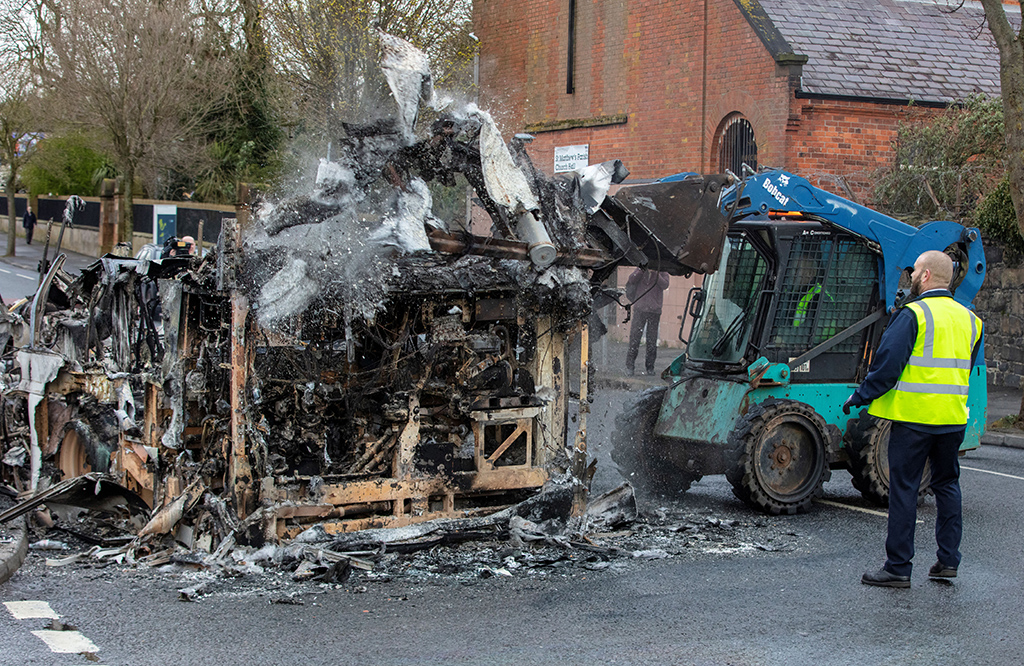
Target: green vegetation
[
  {"x": 180, "y": 100},
  {"x": 997, "y": 219},
  {"x": 942, "y": 167},
  {"x": 64, "y": 165}
]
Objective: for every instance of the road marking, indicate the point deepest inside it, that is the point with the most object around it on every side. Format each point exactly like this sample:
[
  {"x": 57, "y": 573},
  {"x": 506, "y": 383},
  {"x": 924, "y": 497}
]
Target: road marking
[
  {"x": 64, "y": 642},
  {"x": 69, "y": 642},
  {"x": 986, "y": 471},
  {"x": 30, "y": 610},
  {"x": 4, "y": 270},
  {"x": 873, "y": 512},
  {"x": 27, "y": 277}
]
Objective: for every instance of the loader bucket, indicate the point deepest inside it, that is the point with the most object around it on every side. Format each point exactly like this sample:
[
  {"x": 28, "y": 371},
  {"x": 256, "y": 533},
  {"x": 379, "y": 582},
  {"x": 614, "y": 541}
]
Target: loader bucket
[{"x": 673, "y": 225}]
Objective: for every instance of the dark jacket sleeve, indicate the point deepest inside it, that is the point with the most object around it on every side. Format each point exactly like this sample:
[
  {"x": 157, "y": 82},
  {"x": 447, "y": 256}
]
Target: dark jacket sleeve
[{"x": 894, "y": 350}]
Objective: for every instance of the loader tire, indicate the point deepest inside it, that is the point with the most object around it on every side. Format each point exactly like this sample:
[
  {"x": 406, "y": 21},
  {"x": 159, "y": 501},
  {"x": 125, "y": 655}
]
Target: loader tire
[
  {"x": 780, "y": 457},
  {"x": 641, "y": 456},
  {"x": 867, "y": 444}
]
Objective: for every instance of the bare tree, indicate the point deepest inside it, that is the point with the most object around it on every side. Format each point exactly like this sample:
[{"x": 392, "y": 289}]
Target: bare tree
[
  {"x": 1011, "y": 74},
  {"x": 1011, "y": 78},
  {"x": 16, "y": 137},
  {"x": 17, "y": 94},
  {"x": 328, "y": 53},
  {"x": 139, "y": 73}
]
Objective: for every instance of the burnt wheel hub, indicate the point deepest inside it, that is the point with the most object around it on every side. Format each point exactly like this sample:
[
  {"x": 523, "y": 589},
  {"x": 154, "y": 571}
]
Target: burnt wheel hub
[
  {"x": 782, "y": 456},
  {"x": 788, "y": 456}
]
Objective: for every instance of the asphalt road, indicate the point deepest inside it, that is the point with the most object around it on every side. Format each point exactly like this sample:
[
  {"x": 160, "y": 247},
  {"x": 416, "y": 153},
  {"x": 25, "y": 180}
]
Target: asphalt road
[
  {"x": 16, "y": 282},
  {"x": 19, "y": 275},
  {"x": 798, "y": 605}
]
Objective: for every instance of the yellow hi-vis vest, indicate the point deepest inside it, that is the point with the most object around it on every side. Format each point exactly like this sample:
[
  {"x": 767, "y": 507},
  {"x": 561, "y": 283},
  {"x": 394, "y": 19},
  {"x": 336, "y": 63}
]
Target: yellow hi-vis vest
[{"x": 933, "y": 387}]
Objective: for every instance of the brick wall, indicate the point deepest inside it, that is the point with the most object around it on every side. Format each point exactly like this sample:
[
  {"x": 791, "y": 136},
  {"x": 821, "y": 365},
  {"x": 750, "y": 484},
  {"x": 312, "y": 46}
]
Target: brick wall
[
  {"x": 841, "y": 145},
  {"x": 655, "y": 81},
  {"x": 644, "y": 61},
  {"x": 1000, "y": 304},
  {"x": 671, "y": 73},
  {"x": 743, "y": 78}
]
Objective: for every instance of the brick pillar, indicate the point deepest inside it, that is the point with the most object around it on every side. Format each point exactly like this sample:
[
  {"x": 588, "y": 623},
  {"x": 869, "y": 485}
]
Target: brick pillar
[
  {"x": 242, "y": 208},
  {"x": 109, "y": 205}
]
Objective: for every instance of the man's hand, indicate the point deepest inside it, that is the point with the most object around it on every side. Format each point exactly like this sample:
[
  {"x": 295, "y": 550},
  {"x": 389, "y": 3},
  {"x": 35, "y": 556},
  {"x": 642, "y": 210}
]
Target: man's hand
[{"x": 848, "y": 404}]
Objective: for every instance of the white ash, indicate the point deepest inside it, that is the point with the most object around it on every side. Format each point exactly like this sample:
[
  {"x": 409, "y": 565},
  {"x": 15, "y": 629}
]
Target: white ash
[
  {"x": 407, "y": 70},
  {"x": 505, "y": 181},
  {"x": 404, "y": 228},
  {"x": 287, "y": 293}
]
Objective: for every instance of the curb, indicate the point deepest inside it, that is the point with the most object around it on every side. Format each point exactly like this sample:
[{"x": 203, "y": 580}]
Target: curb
[
  {"x": 1003, "y": 438},
  {"x": 12, "y": 555}
]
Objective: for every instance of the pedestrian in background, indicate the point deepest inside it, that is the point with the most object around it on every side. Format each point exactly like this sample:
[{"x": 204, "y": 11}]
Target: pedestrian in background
[
  {"x": 646, "y": 291},
  {"x": 29, "y": 222},
  {"x": 919, "y": 380}
]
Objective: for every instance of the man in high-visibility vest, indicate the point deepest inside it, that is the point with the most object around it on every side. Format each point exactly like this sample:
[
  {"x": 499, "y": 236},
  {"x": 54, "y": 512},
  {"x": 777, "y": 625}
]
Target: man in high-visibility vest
[
  {"x": 919, "y": 381},
  {"x": 814, "y": 298}
]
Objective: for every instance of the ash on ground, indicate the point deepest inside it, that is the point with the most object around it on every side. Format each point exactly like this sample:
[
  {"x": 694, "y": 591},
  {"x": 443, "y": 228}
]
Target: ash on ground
[{"x": 295, "y": 574}]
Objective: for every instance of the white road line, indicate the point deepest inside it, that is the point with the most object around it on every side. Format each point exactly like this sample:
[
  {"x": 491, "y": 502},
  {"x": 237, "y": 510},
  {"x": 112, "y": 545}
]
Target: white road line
[
  {"x": 4, "y": 270},
  {"x": 65, "y": 642},
  {"x": 873, "y": 512},
  {"x": 986, "y": 471},
  {"x": 70, "y": 642},
  {"x": 27, "y": 277},
  {"x": 29, "y": 610}
]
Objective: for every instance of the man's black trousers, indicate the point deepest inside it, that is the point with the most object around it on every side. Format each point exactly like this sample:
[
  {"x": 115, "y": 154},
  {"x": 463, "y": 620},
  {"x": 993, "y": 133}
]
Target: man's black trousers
[
  {"x": 641, "y": 320},
  {"x": 909, "y": 449}
]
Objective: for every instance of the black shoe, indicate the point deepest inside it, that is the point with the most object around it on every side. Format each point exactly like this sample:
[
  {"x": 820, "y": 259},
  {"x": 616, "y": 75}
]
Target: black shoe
[
  {"x": 884, "y": 578},
  {"x": 940, "y": 570}
]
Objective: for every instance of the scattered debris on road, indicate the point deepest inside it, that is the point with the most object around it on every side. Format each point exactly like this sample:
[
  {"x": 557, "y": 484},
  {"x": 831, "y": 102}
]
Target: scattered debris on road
[{"x": 346, "y": 381}]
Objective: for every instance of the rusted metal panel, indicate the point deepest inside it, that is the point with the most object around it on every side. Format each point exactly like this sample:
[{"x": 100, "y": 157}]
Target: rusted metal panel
[
  {"x": 702, "y": 409},
  {"x": 240, "y": 473},
  {"x": 408, "y": 439},
  {"x": 495, "y": 309},
  {"x": 94, "y": 382},
  {"x": 547, "y": 368},
  {"x": 579, "y": 460},
  {"x": 133, "y": 465}
]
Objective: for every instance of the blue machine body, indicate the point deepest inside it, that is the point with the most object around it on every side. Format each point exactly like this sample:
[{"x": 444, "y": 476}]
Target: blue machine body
[{"x": 703, "y": 407}]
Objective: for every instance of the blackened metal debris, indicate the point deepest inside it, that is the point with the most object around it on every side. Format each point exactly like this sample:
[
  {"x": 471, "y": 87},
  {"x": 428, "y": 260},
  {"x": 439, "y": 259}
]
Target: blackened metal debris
[{"x": 343, "y": 361}]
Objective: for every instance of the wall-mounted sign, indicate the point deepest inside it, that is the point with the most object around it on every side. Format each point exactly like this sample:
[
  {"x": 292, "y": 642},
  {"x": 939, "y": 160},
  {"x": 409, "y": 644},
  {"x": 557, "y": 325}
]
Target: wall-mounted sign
[
  {"x": 570, "y": 158},
  {"x": 165, "y": 222}
]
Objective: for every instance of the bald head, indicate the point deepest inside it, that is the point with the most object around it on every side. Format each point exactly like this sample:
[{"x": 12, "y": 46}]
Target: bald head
[{"x": 932, "y": 270}]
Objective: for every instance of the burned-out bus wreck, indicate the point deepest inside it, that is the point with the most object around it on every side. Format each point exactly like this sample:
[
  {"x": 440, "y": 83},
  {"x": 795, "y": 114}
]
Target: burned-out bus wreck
[{"x": 341, "y": 358}]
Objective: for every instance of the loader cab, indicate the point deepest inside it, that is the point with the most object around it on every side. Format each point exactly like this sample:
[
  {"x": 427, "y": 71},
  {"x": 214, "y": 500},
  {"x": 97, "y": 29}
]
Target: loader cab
[{"x": 784, "y": 286}]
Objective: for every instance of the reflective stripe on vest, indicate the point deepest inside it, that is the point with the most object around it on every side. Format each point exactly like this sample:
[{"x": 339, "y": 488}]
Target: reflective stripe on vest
[{"x": 933, "y": 387}]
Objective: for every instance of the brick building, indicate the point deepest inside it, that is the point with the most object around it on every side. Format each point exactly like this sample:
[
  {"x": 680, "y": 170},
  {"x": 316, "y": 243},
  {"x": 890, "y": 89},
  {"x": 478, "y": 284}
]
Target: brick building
[{"x": 817, "y": 87}]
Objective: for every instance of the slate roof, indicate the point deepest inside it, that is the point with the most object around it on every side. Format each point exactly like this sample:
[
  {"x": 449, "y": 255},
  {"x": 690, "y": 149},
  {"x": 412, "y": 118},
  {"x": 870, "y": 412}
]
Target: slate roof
[{"x": 895, "y": 49}]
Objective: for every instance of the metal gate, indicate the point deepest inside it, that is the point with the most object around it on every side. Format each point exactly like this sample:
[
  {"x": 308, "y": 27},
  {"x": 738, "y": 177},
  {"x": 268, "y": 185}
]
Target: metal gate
[{"x": 736, "y": 146}]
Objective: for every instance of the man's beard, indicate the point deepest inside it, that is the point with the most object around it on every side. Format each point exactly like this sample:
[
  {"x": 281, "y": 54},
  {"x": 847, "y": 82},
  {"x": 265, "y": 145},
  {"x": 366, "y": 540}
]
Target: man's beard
[{"x": 915, "y": 287}]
